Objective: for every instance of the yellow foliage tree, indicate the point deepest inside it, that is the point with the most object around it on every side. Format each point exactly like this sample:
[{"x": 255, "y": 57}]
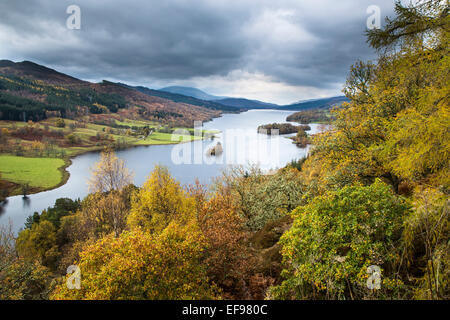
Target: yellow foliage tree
[
  {"x": 159, "y": 201},
  {"x": 140, "y": 265},
  {"x": 109, "y": 174}
]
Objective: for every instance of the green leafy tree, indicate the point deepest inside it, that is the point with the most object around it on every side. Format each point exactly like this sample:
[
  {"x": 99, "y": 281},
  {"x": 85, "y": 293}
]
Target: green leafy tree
[
  {"x": 39, "y": 243},
  {"x": 263, "y": 198},
  {"x": 336, "y": 237}
]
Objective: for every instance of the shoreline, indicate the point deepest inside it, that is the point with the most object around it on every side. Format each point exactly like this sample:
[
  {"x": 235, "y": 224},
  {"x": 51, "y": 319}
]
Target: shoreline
[
  {"x": 68, "y": 162},
  {"x": 68, "y": 159}
]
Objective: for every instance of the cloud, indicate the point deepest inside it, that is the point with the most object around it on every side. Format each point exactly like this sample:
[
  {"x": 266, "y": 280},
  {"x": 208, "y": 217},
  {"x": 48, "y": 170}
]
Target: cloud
[{"x": 297, "y": 49}]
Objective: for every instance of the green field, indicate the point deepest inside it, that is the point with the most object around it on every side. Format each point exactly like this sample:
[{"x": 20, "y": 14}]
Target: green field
[
  {"x": 42, "y": 171},
  {"x": 136, "y": 123},
  {"x": 165, "y": 138},
  {"x": 37, "y": 172}
]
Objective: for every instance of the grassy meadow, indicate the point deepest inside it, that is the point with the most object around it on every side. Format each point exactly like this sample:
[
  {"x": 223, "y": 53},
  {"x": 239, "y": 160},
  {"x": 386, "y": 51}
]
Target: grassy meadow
[
  {"x": 35, "y": 153},
  {"x": 38, "y": 173}
]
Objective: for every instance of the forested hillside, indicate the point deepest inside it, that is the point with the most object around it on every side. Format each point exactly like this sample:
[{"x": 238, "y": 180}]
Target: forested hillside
[
  {"x": 246, "y": 103},
  {"x": 29, "y": 91},
  {"x": 379, "y": 180},
  {"x": 372, "y": 195},
  {"x": 186, "y": 99},
  {"x": 325, "y": 103},
  {"x": 46, "y": 115}
]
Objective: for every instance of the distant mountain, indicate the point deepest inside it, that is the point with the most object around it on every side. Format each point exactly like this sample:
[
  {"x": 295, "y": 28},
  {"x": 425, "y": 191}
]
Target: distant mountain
[
  {"x": 306, "y": 100},
  {"x": 240, "y": 103},
  {"x": 316, "y": 103},
  {"x": 246, "y": 103},
  {"x": 175, "y": 97},
  {"x": 191, "y": 92}
]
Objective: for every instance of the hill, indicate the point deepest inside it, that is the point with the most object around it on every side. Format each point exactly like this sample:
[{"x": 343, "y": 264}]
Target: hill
[
  {"x": 36, "y": 71},
  {"x": 240, "y": 103},
  {"x": 325, "y": 103},
  {"x": 191, "y": 92},
  {"x": 175, "y": 97},
  {"x": 246, "y": 103},
  {"x": 29, "y": 91}
]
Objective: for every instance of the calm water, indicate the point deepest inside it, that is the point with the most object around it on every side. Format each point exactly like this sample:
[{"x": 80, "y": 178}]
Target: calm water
[{"x": 241, "y": 145}]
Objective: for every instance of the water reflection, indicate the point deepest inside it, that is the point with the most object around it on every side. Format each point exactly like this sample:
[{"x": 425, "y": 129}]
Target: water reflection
[
  {"x": 2, "y": 207},
  {"x": 26, "y": 202}
]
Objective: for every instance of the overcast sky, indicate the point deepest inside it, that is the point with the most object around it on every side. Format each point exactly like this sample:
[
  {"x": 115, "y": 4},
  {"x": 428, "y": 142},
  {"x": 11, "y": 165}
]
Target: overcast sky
[{"x": 277, "y": 51}]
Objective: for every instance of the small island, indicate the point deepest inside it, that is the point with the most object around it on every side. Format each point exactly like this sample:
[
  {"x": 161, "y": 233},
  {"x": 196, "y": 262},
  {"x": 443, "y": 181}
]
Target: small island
[
  {"x": 302, "y": 139},
  {"x": 283, "y": 128},
  {"x": 217, "y": 150}
]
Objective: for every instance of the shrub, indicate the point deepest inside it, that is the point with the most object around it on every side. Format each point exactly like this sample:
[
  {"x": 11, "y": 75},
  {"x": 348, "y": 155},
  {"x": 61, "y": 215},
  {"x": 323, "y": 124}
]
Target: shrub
[
  {"x": 60, "y": 123},
  {"x": 336, "y": 237}
]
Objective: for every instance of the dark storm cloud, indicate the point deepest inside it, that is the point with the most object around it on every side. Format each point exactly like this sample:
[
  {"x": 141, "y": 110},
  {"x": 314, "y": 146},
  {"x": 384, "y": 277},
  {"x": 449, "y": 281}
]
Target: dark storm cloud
[{"x": 300, "y": 43}]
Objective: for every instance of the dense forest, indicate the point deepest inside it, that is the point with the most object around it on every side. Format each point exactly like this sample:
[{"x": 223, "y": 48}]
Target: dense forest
[
  {"x": 311, "y": 116},
  {"x": 29, "y": 91},
  {"x": 18, "y": 103},
  {"x": 373, "y": 192}
]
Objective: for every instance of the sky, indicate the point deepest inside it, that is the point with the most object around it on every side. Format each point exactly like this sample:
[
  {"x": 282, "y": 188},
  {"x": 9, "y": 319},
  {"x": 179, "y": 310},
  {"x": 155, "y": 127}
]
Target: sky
[{"x": 279, "y": 51}]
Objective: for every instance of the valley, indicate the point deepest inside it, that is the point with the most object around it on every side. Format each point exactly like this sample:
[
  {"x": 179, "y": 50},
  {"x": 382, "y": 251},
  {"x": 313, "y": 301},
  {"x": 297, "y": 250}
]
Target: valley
[
  {"x": 51, "y": 117},
  {"x": 47, "y": 117},
  {"x": 159, "y": 160}
]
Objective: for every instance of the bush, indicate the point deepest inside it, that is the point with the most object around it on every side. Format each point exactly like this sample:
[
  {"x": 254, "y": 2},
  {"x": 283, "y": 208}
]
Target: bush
[
  {"x": 264, "y": 198},
  {"x": 140, "y": 265},
  {"x": 336, "y": 237},
  {"x": 73, "y": 139},
  {"x": 60, "y": 123}
]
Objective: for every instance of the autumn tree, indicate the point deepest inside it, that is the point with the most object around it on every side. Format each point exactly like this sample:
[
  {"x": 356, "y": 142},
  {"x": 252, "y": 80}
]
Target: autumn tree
[
  {"x": 39, "y": 243},
  {"x": 426, "y": 237},
  {"x": 25, "y": 280},
  {"x": 395, "y": 126},
  {"x": 7, "y": 244},
  {"x": 160, "y": 201},
  {"x": 20, "y": 278},
  {"x": 142, "y": 265},
  {"x": 412, "y": 24},
  {"x": 228, "y": 256},
  {"x": 102, "y": 214},
  {"x": 109, "y": 174},
  {"x": 159, "y": 258}
]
